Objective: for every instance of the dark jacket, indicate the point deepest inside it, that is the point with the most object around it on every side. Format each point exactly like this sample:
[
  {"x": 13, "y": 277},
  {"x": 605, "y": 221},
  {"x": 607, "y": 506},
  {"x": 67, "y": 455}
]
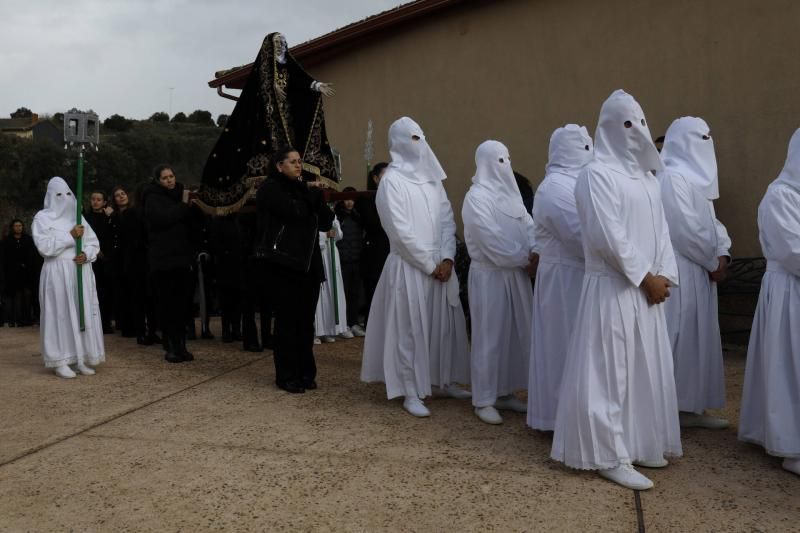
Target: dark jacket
[
  {"x": 282, "y": 203},
  {"x": 353, "y": 235},
  {"x": 167, "y": 220},
  {"x": 102, "y": 226},
  {"x": 20, "y": 263},
  {"x": 227, "y": 248},
  {"x": 376, "y": 242}
]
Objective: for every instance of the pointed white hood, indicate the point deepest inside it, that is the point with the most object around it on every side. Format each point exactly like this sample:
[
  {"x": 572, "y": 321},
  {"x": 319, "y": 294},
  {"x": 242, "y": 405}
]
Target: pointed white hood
[
  {"x": 622, "y": 140},
  {"x": 493, "y": 173},
  {"x": 689, "y": 151},
  {"x": 414, "y": 159},
  {"x": 571, "y": 148},
  {"x": 790, "y": 175},
  {"x": 60, "y": 205}
]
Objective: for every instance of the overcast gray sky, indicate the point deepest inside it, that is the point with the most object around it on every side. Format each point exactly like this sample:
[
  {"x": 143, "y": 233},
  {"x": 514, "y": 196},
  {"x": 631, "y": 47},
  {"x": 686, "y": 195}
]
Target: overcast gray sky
[{"x": 122, "y": 56}]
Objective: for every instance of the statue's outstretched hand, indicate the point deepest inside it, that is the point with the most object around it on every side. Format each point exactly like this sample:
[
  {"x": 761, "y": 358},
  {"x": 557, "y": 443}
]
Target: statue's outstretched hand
[
  {"x": 326, "y": 89},
  {"x": 280, "y": 91}
]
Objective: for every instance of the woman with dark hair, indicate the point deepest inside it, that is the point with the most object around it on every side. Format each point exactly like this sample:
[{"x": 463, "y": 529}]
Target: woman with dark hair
[
  {"x": 167, "y": 219},
  {"x": 376, "y": 243},
  {"x": 291, "y": 214},
  {"x": 19, "y": 268},
  {"x": 134, "y": 307},
  {"x": 350, "y": 248}
]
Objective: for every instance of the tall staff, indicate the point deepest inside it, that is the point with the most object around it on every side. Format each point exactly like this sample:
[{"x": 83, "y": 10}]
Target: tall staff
[{"x": 81, "y": 129}]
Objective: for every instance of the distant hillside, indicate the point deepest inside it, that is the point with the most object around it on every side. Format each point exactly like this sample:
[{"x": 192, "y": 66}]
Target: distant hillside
[{"x": 125, "y": 158}]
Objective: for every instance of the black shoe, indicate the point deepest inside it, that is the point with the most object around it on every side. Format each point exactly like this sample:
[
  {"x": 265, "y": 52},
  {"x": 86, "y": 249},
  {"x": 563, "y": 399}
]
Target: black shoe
[
  {"x": 293, "y": 387},
  {"x": 108, "y": 330},
  {"x": 154, "y": 338},
  {"x": 207, "y": 335},
  {"x": 183, "y": 352},
  {"x": 171, "y": 357},
  {"x": 144, "y": 341},
  {"x": 309, "y": 384},
  {"x": 252, "y": 347}
]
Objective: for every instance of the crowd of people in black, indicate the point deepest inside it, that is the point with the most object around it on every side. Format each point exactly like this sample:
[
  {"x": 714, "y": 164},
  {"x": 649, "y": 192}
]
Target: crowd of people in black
[{"x": 164, "y": 264}]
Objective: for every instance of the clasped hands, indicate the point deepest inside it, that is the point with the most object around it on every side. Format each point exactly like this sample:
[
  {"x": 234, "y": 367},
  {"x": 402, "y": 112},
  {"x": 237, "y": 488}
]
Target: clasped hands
[
  {"x": 77, "y": 233},
  {"x": 722, "y": 270},
  {"x": 656, "y": 288},
  {"x": 443, "y": 271}
]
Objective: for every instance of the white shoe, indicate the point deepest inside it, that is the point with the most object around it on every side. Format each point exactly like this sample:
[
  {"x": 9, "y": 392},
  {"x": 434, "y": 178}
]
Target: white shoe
[
  {"x": 317, "y": 341},
  {"x": 415, "y": 407},
  {"x": 358, "y": 331},
  {"x": 489, "y": 415},
  {"x": 792, "y": 465},
  {"x": 626, "y": 476},
  {"x": 451, "y": 391},
  {"x": 328, "y": 338},
  {"x": 85, "y": 370},
  {"x": 652, "y": 464},
  {"x": 64, "y": 371},
  {"x": 693, "y": 420},
  {"x": 347, "y": 334},
  {"x": 511, "y": 403}
]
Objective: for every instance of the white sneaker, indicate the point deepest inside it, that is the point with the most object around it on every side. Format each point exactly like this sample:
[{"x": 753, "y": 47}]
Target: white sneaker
[
  {"x": 317, "y": 341},
  {"x": 652, "y": 464},
  {"x": 415, "y": 407},
  {"x": 85, "y": 370},
  {"x": 489, "y": 415},
  {"x": 347, "y": 334},
  {"x": 511, "y": 403},
  {"x": 792, "y": 465},
  {"x": 358, "y": 331},
  {"x": 328, "y": 338},
  {"x": 64, "y": 371},
  {"x": 451, "y": 391},
  {"x": 693, "y": 420},
  {"x": 626, "y": 476}
]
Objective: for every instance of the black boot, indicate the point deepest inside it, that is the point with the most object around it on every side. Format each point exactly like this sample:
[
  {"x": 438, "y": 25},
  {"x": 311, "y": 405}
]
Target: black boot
[
  {"x": 182, "y": 351},
  {"x": 205, "y": 332},
  {"x": 170, "y": 356},
  {"x": 236, "y": 332},
  {"x": 226, "y": 330},
  {"x": 191, "y": 332}
]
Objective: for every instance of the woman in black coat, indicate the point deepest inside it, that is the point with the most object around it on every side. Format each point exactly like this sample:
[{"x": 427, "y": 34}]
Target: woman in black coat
[
  {"x": 376, "y": 243},
  {"x": 167, "y": 219},
  {"x": 20, "y": 268},
  {"x": 291, "y": 213}
]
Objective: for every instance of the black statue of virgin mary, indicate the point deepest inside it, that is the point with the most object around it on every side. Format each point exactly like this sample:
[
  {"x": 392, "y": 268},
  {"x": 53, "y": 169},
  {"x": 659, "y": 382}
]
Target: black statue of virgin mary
[{"x": 280, "y": 105}]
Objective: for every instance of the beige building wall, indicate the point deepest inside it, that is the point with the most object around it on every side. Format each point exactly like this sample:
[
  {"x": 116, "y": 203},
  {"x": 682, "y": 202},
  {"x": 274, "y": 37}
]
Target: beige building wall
[{"x": 513, "y": 70}]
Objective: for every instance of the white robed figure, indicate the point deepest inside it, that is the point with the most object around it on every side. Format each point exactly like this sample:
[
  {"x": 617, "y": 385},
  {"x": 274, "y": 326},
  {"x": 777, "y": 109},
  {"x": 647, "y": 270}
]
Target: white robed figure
[
  {"x": 325, "y": 325},
  {"x": 689, "y": 185},
  {"x": 560, "y": 274},
  {"x": 54, "y": 233},
  {"x": 498, "y": 232},
  {"x": 770, "y": 414},
  {"x": 617, "y": 403},
  {"x": 417, "y": 336}
]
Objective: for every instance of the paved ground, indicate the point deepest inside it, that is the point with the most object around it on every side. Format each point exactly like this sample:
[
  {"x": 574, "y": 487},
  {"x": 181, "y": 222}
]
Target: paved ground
[{"x": 213, "y": 445}]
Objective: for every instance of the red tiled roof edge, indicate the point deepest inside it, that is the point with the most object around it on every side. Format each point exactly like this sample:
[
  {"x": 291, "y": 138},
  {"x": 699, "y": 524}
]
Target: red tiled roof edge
[{"x": 336, "y": 39}]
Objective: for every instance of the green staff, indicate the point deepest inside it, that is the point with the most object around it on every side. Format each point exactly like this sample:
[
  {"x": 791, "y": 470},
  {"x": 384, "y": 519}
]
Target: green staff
[
  {"x": 332, "y": 245},
  {"x": 79, "y": 240}
]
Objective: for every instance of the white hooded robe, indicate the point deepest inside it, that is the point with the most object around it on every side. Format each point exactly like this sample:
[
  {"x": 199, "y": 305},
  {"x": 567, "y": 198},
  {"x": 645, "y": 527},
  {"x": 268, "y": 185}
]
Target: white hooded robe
[
  {"x": 770, "y": 414},
  {"x": 560, "y": 274},
  {"x": 499, "y": 235},
  {"x": 688, "y": 186},
  {"x": 63, "y": 343},
  {"x": 617, "y": 401},
  {"x": 325, "y": 323},
  {"x": 417, "y": 334}
]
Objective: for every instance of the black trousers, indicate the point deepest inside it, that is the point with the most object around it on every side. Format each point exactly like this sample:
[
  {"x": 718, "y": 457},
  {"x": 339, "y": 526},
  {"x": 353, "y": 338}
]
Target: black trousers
[
  {"x": 105, "y": 290},
  {"x": 294, "y": 304},
  {"x": 230, "y": 301},
  {"x": 173, "y": 296},
  {"x": 351, "y": 276}
]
